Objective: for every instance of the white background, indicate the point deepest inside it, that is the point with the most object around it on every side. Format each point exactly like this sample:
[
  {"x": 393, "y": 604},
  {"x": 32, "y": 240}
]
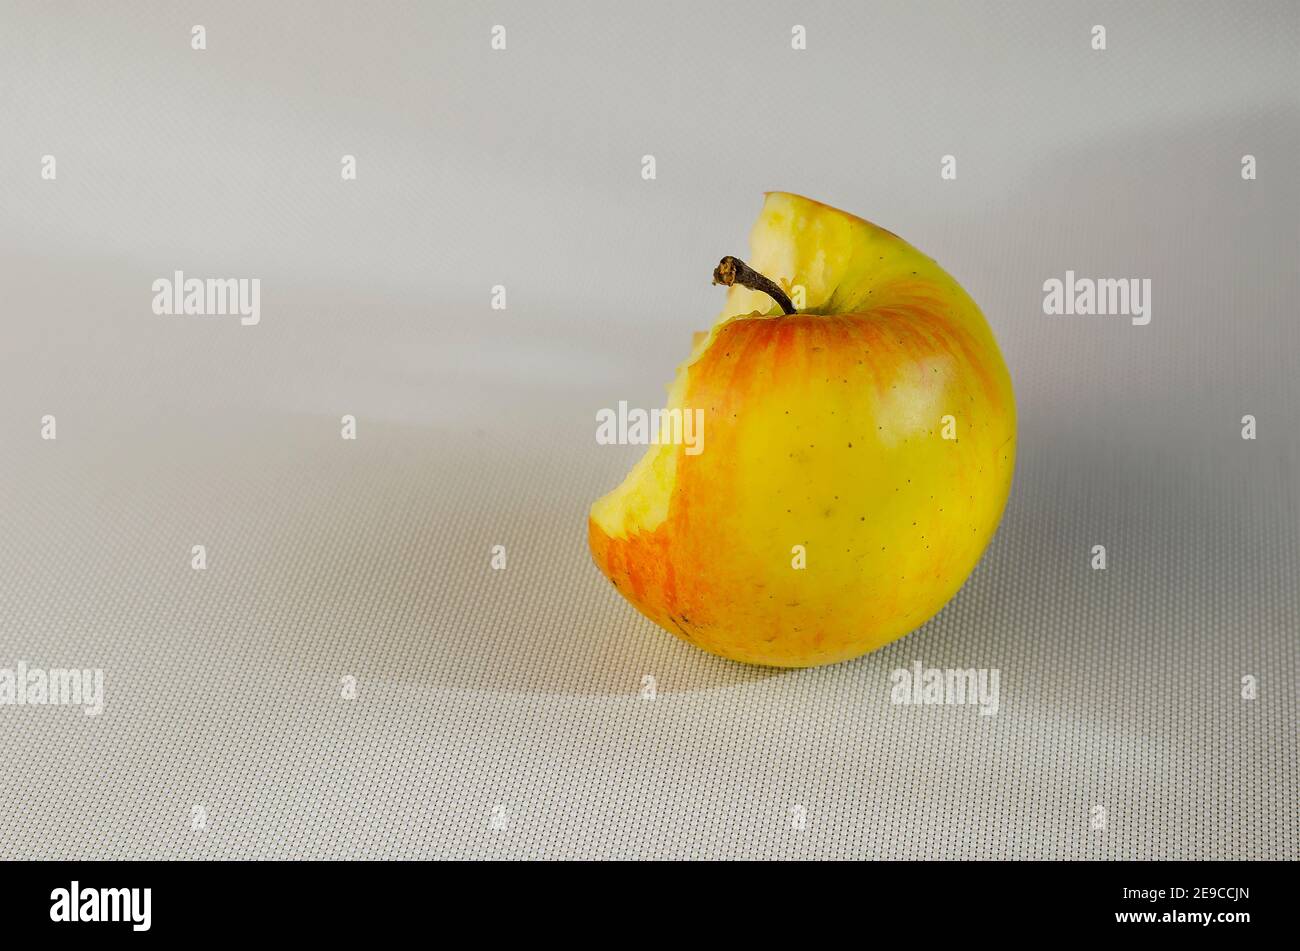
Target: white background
[{"x": 518, "y": 690}]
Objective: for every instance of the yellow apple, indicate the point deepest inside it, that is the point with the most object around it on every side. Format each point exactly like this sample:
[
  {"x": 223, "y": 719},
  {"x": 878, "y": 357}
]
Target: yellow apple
[{"x": 857, "y": 454}]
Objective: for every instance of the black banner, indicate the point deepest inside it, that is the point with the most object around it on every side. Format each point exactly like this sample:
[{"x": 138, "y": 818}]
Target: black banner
[{"x": 1219, "y": 901}]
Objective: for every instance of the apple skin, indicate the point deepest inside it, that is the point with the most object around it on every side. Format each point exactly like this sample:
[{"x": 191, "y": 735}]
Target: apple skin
[{"x": 826, "y": 431}]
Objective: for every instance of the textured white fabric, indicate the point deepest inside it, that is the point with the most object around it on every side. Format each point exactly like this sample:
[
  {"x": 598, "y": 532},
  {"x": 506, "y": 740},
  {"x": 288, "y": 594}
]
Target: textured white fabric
[{"x": 499, "y": 713}]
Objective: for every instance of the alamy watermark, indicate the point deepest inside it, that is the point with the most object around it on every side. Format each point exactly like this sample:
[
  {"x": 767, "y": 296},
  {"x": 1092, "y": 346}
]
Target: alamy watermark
[
  {"x": 954, "y": 686},
  {"x": 24, "y": 685},
  {"x": 639, "y": 427},
  {"x": 1103, "y": 297},
  {"x": 178, "y": 296},
  {"x": 77, "y": 903}
]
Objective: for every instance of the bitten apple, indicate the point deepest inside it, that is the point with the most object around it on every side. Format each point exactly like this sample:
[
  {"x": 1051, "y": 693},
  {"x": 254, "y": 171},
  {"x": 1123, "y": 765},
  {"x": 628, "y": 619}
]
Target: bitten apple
[{"x": 859, "y": 452}]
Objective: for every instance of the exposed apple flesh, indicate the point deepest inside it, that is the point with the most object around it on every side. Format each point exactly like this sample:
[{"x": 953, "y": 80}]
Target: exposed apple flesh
[{"x": 824, "y": 429}]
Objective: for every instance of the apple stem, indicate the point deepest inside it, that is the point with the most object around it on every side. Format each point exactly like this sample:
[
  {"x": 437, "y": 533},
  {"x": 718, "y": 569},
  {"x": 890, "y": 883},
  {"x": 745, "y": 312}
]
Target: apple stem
[{"x": 732, "y": 270}]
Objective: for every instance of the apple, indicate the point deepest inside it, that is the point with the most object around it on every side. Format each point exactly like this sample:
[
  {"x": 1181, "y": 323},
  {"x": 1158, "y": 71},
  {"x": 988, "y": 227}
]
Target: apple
[{"x": 859, "y": 452}]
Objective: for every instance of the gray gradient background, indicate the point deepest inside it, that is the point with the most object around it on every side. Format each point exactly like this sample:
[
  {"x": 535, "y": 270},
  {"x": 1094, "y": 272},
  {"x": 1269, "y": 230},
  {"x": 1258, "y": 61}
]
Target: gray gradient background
[{"x": 518, "y": 689}]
